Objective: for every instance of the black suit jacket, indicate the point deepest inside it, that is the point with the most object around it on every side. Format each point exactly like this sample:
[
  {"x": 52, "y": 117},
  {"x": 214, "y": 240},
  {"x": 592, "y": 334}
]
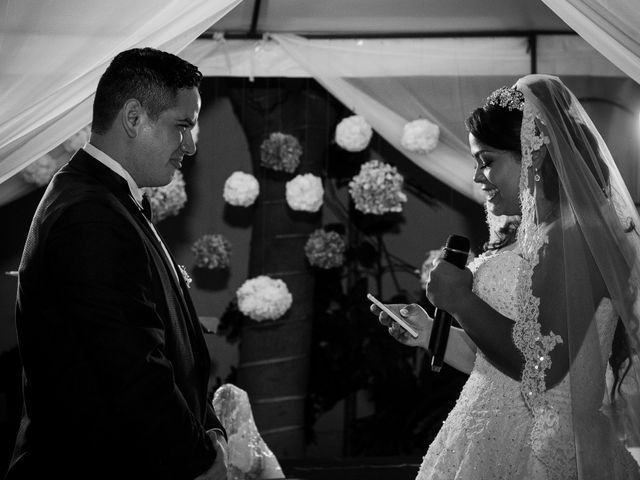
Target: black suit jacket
[{"x": 115, "y": 362}]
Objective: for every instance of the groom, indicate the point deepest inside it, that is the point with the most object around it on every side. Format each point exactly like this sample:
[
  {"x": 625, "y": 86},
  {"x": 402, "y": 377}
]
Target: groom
[{"x": 115, "y": 363}]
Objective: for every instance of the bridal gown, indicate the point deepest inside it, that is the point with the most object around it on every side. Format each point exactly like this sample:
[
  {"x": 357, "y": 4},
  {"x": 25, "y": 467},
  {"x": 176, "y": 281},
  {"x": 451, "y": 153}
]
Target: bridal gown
[{"x": 490, "y": 432}]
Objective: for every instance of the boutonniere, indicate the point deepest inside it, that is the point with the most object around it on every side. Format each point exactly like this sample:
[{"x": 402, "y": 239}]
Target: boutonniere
[{"x": 185, "y": 276}]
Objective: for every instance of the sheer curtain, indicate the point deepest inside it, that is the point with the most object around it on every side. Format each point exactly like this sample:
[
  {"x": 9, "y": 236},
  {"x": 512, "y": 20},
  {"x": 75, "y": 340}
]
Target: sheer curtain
[
  {"x": 611, "y": 27},
  {"x": 393, "y": 81},
  {"x": 53, "y": 53}
]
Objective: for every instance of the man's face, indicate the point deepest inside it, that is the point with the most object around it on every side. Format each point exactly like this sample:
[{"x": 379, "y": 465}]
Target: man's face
[{"x": 162, "y": 144}]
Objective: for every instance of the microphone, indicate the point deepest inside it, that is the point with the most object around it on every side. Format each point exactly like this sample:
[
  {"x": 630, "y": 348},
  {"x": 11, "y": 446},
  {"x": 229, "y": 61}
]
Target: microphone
[{"x": 456, "y": 252}]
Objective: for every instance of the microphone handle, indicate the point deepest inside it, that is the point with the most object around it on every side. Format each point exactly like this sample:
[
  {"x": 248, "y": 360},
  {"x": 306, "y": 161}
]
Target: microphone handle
[{"x": 438, "y": 338}]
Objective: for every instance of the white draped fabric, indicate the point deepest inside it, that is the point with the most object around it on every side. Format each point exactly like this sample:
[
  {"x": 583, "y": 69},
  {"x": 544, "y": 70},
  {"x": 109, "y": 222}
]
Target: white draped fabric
[
  {"x": 609, "y": 26},
  {"x": 50, "y": 67},
  {"x": 380, "y": 80},
  {"x": 449, "y": 162},
  {"x": 53, "y": 53},
  {"x": 424, "y": 57}
]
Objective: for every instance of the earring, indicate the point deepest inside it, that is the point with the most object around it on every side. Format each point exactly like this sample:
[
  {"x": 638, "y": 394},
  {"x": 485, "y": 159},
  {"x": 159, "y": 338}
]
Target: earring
[{"x": 536, "y": 176}]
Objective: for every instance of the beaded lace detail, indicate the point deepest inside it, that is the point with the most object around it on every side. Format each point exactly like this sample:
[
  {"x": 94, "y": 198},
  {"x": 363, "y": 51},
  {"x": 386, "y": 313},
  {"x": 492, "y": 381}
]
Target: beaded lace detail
[
  {"x": 527, "y": 336},
  {"x": 488, "y": 435}
]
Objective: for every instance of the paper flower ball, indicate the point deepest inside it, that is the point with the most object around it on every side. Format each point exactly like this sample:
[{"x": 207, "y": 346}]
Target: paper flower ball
[
  {"x": 212, "y": 251},
  {"x": 280, "y": 152},
  {"x": 168, "y": 200},
  {"x": 377, "y": 189},
  {"x": 41, "y": 171},
  {"x": 325, "y": 249},
  {"x": 77, "y": 140},
  {"x": 304, "y": 193},
  {"x": 264, "y": 298},
  {"x": 241, "y": 189},
  {"x": 420, "y": 136},
  {"x": 353, "y": 133}
]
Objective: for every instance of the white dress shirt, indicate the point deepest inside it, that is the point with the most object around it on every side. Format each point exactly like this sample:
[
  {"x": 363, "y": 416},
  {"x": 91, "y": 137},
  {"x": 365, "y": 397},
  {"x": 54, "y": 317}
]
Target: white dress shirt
[{"x": 136, "y": 193}]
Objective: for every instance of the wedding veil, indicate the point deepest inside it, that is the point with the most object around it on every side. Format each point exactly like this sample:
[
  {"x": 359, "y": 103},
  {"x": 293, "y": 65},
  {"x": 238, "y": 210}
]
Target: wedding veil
[{"x": 595, "y": 252}]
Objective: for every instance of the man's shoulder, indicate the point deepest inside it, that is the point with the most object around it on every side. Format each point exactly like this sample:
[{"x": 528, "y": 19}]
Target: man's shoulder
[{"x": 74, "y": 197}]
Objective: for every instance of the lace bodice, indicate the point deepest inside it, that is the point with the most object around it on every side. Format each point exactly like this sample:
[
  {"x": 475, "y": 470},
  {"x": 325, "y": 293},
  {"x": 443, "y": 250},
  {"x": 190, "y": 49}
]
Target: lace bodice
[
  {"x": 491, "y": 432},
  {"x": 495, "y": 281}
]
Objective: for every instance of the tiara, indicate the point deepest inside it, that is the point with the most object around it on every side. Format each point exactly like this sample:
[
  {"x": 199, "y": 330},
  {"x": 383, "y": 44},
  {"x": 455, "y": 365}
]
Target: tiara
[{"x": 506, "y": 97}]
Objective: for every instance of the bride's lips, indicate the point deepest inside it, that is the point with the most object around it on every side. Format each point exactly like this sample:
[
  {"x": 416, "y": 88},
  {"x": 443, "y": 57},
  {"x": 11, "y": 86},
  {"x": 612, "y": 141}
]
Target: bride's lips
[
  {"x": 176, "y": 162},
  {"x": 490, "y": 193}
]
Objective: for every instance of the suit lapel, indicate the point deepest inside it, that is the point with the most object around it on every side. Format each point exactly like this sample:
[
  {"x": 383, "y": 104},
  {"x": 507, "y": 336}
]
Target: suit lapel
[{"x": 86, "y": 164}]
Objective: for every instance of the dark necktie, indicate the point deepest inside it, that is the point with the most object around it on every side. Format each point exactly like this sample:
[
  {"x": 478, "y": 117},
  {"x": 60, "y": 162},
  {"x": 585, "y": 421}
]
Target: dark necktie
[{"x": 146, "y": 207}]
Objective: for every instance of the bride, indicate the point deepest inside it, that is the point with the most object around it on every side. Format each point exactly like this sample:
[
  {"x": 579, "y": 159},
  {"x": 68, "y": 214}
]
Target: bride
[{"x": 552, "y": 299}]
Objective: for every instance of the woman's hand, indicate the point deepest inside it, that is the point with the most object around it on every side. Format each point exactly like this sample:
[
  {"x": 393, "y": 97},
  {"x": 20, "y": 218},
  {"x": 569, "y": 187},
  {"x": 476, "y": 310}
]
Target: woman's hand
[
  {"x": 447, "y": 284},
  {"x": 414, "y": 316}
]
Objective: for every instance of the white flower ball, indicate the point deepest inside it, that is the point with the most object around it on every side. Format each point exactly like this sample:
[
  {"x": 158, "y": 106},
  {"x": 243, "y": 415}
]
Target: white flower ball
[
  {"x": 420, "y": 136},
  {"x": 241, "y": 189},
  {"x": 353, "y": 133},
  {"x": 77, "y": 140},
  {"x": 264, "y": 298},
  {"x": 305, "y": 193},
  {"x": 41, "y": 171},
  {"x": 168, "y": 200}
]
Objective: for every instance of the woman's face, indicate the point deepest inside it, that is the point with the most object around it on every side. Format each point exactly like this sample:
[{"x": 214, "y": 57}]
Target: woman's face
[{"x": 498, "y": 173}]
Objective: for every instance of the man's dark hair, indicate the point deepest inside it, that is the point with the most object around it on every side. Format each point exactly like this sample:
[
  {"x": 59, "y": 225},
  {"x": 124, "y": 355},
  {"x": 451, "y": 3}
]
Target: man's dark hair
[{"x": 151, "y": 76}]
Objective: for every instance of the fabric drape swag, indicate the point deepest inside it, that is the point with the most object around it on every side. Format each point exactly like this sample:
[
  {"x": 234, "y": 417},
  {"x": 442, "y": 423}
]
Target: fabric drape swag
[{"x": 51, "y": 66}]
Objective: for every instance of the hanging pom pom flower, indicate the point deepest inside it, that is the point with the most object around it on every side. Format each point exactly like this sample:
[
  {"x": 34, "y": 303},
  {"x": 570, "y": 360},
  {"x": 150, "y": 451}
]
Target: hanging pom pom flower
[
  {"x": 420, "y": 136},
  {"x": 305, "y": 193},
  {"x": 377, "y": 189},
  {"x": 264, "y": 298},
  {"x": 280, "y": 152},
  {"x": 168, "y": 200},
  {"x": 325, "y": 249},
  {"x": 76, "y": 141},
  {"x": 212, "y": 251},
  {"x": 353, "y": 133},
  {"x": 241, "y": 189},
  {"x": 41, "y": 171}
]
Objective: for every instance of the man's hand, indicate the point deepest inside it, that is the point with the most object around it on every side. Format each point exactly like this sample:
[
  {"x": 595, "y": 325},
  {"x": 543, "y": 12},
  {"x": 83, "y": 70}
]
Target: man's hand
[{"x": 218, "y": 470}]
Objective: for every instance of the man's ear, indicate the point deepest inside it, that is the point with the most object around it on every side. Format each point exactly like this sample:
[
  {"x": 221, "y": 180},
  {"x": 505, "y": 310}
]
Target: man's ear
[{"x": 132, "y": 115}]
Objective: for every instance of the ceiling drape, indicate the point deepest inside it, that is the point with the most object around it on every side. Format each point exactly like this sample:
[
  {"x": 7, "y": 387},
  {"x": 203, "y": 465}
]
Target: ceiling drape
[
  {"x": 52, "y": 54},
  {"x": 611, "y": 27},
  {"x": 393, "y": 81}
]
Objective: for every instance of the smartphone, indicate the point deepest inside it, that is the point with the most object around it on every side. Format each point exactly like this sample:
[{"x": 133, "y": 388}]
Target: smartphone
[{"x": 396, "y": 318}]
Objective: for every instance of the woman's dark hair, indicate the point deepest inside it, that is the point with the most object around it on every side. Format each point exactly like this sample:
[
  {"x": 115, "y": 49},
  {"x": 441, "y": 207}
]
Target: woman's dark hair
[
  {"x": 151, "y": 76},
  {"x": 500, "y": 128},
  {"x": 620, "y": 354}
]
